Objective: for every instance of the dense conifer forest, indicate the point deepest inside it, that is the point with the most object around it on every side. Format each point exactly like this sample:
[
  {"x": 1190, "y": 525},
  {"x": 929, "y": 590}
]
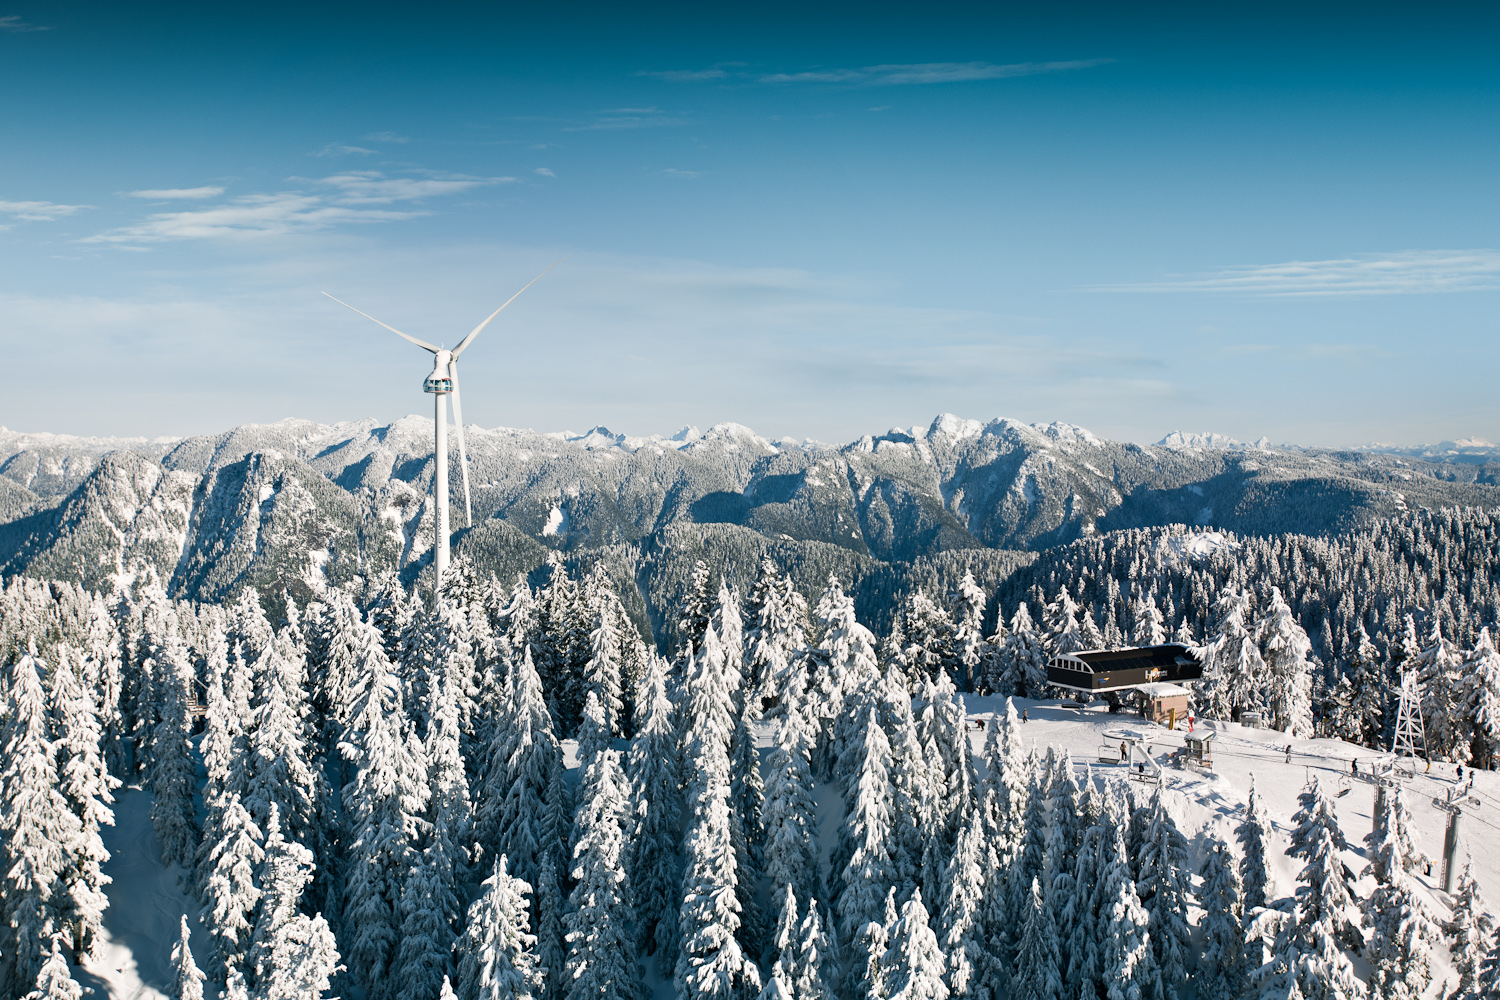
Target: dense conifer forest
[{"x": 529, "y": 788}]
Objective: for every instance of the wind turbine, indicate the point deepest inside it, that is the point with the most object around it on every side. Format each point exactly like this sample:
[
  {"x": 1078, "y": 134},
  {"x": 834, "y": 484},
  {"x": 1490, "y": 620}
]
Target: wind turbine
[{"x": 443, "y": 383}]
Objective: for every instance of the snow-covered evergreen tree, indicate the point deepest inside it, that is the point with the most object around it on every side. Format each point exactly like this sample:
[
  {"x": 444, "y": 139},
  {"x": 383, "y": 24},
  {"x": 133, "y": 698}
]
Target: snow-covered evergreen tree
[
  {"x": 601, "y": 948},
  {"x": 86, "y": 783},
  {"x": 970, "y": 650},
  {"x": 651, "y": 849},
  {"x": 55, "y": 981},
  {"x": 1221, "y": 975},
  {"x": 789, "y": 816},
  {"x": 710, "y": 962},
  {"x": 1232, "y": 663},
  {"x": 172, "y": 769},
  {"x": 551, "y": 946},
  {"x": 498, "y": 961},
  {"x": 1148, "y": 627},
  {"x": 1037, "y": 976},
  {"x": 510, "y": 817},
  {"x": 231, "y": 894},
  {"x": 1321, "y": 930},
  {"x": 868, "y": 830},
  {"x": 1254, "y": 836},
  {"x": 1023, "y": 659},
  {"x": 385, "y": 808},
  {"x": 424, "y": 954},
  {"x": 292, "y": 956},
  {"x": 1367, "y": 692},
  {"x": 1129, "y": 968},
  {"x": 1287, "y": 652},
  {"x": 1438, "y": 666},
  {"x": 776, "y": 628},
  {"x": 960, "y": 924},
  {"x": 1164, "y": 883},
  {"x": 1481, "y": 698},
  {"x": 187, "y": 980},
  {"x": 1393, "y": 822},
  {"x": 1470, "y": 931},
  {"x": 1060, "y": 620},
  {"x": 37, "y": 825},
  {"x": 913, "y": 965},
  {"x": 1400, "y": 947}
]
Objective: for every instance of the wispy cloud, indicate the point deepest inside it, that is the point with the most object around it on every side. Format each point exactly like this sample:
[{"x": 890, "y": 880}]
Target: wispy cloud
[
  {"x": 885, "y": 74},
  {"x": 37, "y": 211},
  {"x": 369, "y": 187},
  {"x": 1408, "y": 272},
  {"x": 336, "y": 200},
  {"x": 543, "y": 172},
  {"x": 13, "y": 24},
  {"x": 624, "y": 118},
  {"x": 339, "y": 149},
  {"x": 685, "y": 75},
  {"x": 685, "y": 174},
  {"x": 386, "y": 137},
  {"x": 175, "y": 194},
  {"x": 247, "y": 217}
]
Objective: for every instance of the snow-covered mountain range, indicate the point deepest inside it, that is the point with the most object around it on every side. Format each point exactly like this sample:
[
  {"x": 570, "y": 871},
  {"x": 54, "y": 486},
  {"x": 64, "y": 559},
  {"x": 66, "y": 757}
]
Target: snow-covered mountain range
[{"x": 299, "y": 503}]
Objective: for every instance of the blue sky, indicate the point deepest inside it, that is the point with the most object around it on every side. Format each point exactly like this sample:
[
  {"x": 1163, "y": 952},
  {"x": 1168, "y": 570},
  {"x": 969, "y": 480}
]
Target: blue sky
[{"x": 814, "y": 220}]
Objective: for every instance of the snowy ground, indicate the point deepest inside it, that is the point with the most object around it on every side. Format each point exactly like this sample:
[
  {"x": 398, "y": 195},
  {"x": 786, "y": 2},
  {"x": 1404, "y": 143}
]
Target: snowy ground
[
  {"x": 146, "y": 898},
  {"x": 146, "y": 902}
]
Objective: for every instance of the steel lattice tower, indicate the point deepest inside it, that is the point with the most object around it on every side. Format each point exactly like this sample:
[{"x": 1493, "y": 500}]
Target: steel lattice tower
[{"x": 1411, "y": 737}]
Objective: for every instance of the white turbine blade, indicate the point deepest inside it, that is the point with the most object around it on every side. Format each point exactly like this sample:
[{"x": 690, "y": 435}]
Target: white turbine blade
[
  {"x": 463, "y": 452},
  {"x": 420, "y": 343},
  {"x": 475, "y": 332}
]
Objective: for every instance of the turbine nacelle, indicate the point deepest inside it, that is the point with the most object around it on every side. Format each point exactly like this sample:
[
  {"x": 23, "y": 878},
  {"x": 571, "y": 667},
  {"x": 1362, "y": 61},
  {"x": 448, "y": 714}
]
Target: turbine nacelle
[{"x": 441, "y": 379}]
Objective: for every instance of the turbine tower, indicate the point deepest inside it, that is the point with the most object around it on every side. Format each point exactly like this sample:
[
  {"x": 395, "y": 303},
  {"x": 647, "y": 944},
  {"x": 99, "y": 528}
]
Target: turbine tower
[{"x": 443, "y": 384}]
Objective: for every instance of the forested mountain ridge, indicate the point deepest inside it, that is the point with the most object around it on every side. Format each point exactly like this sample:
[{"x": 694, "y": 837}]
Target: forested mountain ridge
[{"x": 299, "y": 505}]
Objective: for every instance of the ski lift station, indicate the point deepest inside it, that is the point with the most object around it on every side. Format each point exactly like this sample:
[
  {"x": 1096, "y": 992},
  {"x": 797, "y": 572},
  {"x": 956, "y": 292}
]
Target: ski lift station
[{"x": 1154, "y": 671}]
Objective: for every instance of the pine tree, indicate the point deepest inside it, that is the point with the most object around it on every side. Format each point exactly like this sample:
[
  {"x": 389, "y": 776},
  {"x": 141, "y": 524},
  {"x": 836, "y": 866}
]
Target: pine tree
[
  {"x": 172, "y": 770},
  {"x": 601, "y": 950},
  {"x": 385, "y": 806},
  {"x": 1222, "y": 976},
  {"x": 293, "y": 956},
  {"x": 1148, "y": 627},
  {"x": 961, "y": 915},
  {"x": 55, "y": 981},
  {"x": 551, "y": 947},
  {"x": 1286, "y": 650},
  {"x": 1488, "y": 982},
  {"x": 789, "y": 815},
  {"x": 188, "y": 984},
  {"x": 1437, "y": 666},
  {"x": 1400, "y": 949},
  {"x": 1470, "y": 930},
  {"x": 1037, "y": 976},
  {"x": 498, "y": 961},
  {"x": 510, "y": 819},
  {"x": 1165, "y": 888},
  {"x": 1321, "y": 930},
  {"x": 913, "y": 964},
  {"x": 1481, "y": 694},
  {"x": 776, "y": 629},
  {"x": 1393, "y": 822},
  {"x": 1128, "y": 967},
  {"x": 651, "y": 850},
  {"x": 1023, "y": 659},
  {"x": 710, "y": 962},
  {"x": 36, "y": 827},
  {"x": 231, "y": 894},
  {"x": 817, "y": 957},
  {"x": 1232, "y": 662},
  {"x": 868, "y": 874},
  {"x": 86, "y": 783},
  {"x": 1367, "y": 691},
  {"x": 1254, "y": 836},
  {"x": 970, "y": 650},
  {"x": 423, "y": 957},
  {"x": 1060, "y": 619}
]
